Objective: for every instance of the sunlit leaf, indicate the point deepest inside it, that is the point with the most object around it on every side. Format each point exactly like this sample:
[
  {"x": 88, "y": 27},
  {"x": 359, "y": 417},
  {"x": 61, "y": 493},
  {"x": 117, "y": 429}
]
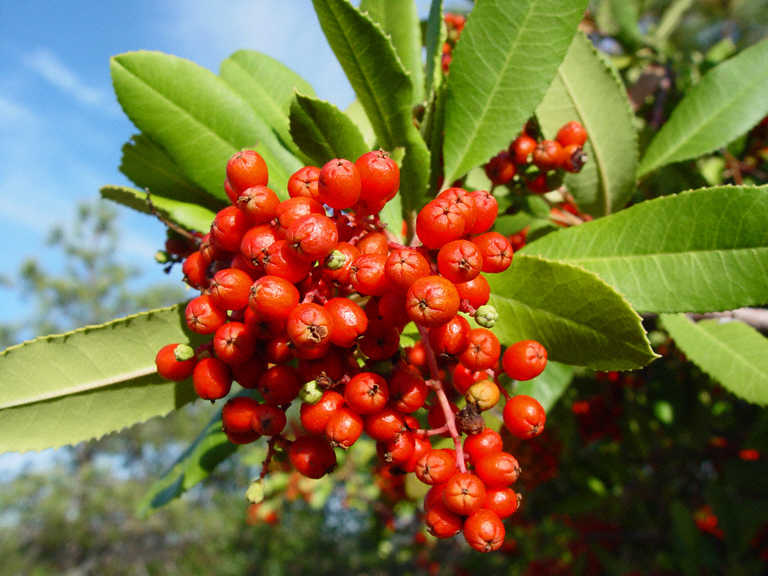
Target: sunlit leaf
[
  {"x": 729, "y": 100},
  {"x": 84, "y": 384},
  {"x": 196, "y": 117},
  {"x": 189, "y": 216},
  {"x": 580, "y": 320},
  {"x": 507, "y": 57},
  {"x": 587, "y": 89},
  {"x": 733, "y": 353},
  {"x": 698, "y": 251}
]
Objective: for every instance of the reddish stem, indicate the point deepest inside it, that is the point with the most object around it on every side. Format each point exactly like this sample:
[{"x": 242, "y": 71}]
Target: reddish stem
[{"x": 437, "y": 386}]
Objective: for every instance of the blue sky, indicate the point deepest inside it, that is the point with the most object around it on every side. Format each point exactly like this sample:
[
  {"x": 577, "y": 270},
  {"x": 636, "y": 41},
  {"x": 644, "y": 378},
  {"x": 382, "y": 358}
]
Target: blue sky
[{"x": 61, "y": 129}]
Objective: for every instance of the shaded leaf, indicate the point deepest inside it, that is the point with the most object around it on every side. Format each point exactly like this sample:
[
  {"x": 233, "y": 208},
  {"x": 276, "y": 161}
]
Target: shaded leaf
[
  {"x": 586, "y": 88},
  {"x": 267, "y": 85},
  {"x": 549, "y": 386},
  {"x": 196, "y": 118},
  {"x": 729, "y": 100},
  {"x": 434, "y": 38},
  {"x": 699, "y": 251},
  {"x": 148, "y": 166},
  {"x": 187, "y": 215},
  {"x": 323, "y": 132},
  {"x": 733, "y": 353},
  {"x": 208, "y": 450},
  {"x": 507, "y": 57},
  {"x": 577, "y": 317},
  {"x": 400, "y": 20},
  {"x": 382, "y": 86},
  {"x": 83, "y": 384}
]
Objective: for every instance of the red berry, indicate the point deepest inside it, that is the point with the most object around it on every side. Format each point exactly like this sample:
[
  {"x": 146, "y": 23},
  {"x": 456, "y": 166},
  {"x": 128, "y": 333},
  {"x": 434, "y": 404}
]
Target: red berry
[
  {"x": 230, "y": 287},
  {"x": 572, "y": 133},
  {"x": 501, "y": 168},
  {"x": 339, "y": 184},
  {"x": 259, "y": 204},
  {"x": 439, "y": 222},
  {"x": 460, "y": 261},
  {"x": 464, "y": 493},
  {"x": 312, "y": 456},
  {"x": 344, "y": 427},
  {"x": 237, "y": 412},
  {"x": 524, "y": 360},
  {"x": 233, "y": 343},
  {"x": 496, "y": 252},
  {"x": 436, "y": 466},
  {"x": 170, "y": 367},
  {"x": 524, "y": 416},
  {"x": 303, "y": 182},
  {"x": 349, "y": 321},
  {"x": 366, "y": 393},
  {"x": 203, "y": 315},
  {"x": 484, "y": 531},
  {"x": 212, "y": 379},
  {"x": 379, "y": 176},
  {"x": 268, "y": 420},
  {"x": 547, "y": 155},
  {"x": 280, "y": 385},
  {"x": 522, "y": 148},
  {"x": 497, "y": 469},
  {"x": 228, "y": 228},
  {"x": 245, "y": 169},
  {"x": 432, "y": 301}
]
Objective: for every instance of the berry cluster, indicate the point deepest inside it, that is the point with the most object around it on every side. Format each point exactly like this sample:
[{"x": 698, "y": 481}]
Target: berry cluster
[
  {"x": 533, "y": 160},
  {"x": 306, "y": 299},
  {"x": 454, "y": 24}
]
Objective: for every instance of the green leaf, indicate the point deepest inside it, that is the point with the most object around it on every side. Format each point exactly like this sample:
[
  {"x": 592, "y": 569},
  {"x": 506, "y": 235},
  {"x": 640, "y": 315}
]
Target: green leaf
[
  {"x": 323, "y": 132},
  {"x": 434, "y": 38},
  {"x": 578, "y": 318},
  {"x": 187, "y": 215},
  {"x": 208, "y": 450},
  {"x": 196, "y": 118},
  {"x": 148, "y": 166},
  {"x": 356, "y": 113},
  {"x": 400, "y": 20},
  {"x": 729, "y": 100},
  {"x": 383, "y": 87},
  {"x": 699, "y": 251},
  {"x": 267, "y": 85},
  {"x": 83, "y": 384},
  {"x": 733, "y": 353},
  {"x": 549, "y": 386},
  {"x": 368, "y": 59},
  {"x": 586, "y": 88},
  {"x": 506, "y": 59}
]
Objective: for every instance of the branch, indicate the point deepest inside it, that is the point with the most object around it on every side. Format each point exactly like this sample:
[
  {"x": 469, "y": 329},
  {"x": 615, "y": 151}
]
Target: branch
[{"x": 755, "y": 317}]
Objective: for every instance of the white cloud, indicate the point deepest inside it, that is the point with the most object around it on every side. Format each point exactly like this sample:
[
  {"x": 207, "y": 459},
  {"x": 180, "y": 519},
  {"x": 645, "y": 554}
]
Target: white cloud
[
  {"x": 16, "y": 114},
  {"x": 50, "y": 68},
  {"x": 209, "y": 31}
]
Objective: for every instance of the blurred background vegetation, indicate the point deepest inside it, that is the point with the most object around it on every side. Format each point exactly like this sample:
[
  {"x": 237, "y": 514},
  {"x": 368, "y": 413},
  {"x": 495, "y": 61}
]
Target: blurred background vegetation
[{"x": 658, "y": 471}]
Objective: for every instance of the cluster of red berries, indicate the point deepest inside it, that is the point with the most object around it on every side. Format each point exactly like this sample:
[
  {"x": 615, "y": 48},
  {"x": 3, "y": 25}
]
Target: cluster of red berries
[
  {"x": 454, "y": 24},
  {"x": 307, "y": 298},
  {"x": 530, "y": 160}
]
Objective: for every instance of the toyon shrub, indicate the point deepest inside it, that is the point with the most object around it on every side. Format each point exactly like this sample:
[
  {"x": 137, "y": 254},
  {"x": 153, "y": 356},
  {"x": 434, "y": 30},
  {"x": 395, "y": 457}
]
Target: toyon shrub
[
  {"x": 444, "y": 287},
  {"x": 277, "y": 275}
]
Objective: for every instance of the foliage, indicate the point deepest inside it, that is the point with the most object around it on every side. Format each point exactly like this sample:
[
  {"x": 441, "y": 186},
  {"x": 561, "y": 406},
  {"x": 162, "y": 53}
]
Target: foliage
[{"x": 672, "y": 214}]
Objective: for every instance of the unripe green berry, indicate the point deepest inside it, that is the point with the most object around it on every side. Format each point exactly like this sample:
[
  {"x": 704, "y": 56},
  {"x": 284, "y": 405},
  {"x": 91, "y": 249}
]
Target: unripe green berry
[
  {"x": 336, "y": 260},
  {"x": 486, "y": 316},
  {"x": 183, "y": 352},
  {"x": 311, "y": 393},
  {"x": 161, "y": 257},
  {"x": 256, "y": 491}
]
